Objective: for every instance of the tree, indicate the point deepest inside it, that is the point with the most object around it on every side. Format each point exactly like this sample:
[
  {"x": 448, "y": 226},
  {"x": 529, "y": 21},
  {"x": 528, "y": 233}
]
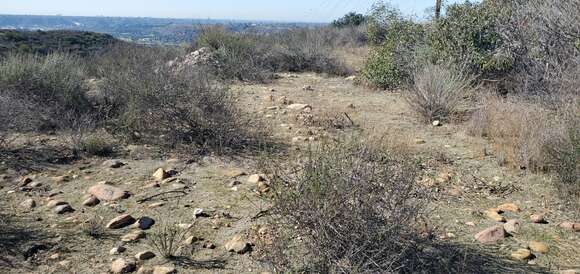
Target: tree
[
  {"x": 437, "y": 9},
  {"x": 351, "y": 19}
]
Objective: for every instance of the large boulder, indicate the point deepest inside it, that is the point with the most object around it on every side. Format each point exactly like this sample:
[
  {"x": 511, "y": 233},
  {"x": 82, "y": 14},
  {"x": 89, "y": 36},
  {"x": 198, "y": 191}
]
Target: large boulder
[{"x": 491, "y": 235}]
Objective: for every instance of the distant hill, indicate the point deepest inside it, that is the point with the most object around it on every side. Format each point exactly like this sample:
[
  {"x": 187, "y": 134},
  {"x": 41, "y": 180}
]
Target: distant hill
[
  {"x": 141, "y": 30},
  {"x": 43, "y": 42}
]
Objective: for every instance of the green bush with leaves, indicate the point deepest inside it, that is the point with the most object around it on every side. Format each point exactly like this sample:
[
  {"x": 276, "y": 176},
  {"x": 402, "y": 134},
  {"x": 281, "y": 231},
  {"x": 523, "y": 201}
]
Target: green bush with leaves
[
  {"x": 395, "y": 40},
  {"x": 467, "y": 34},
  {"x": 351, "y": 19}
]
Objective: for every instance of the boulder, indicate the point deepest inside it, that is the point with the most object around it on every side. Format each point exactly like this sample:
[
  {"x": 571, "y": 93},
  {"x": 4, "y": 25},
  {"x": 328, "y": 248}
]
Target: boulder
[
  {"x": 145, "y": 223},
  {"x": 91, "y": 201},
  {"x": 28, "y": 204},
  {"x": 62, "y": 209},
  {"x": 164, "y": 270},
  {"x": 108, "y": 193},
  {"x": 133, "y": 236},
  {"x": 160, "y": 174},
  {"x": 113, "y": 163},
  {"x": 511, "y": 207},
  {"x": 490, "y": 235}
]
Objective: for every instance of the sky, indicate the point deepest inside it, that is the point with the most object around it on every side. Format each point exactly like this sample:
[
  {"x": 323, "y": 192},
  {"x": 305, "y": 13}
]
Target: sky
[{"x": 276, "y": 10}]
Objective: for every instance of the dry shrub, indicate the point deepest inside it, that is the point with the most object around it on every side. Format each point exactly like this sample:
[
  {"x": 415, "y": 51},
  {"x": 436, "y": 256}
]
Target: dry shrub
[
  {"x": 348, "y": 207},
  {"x": 534, "y": 137},
  {"x": 152, "y": 103},
  {"x": 437, "y": 92},
  {"x": 94, "y": 226}
]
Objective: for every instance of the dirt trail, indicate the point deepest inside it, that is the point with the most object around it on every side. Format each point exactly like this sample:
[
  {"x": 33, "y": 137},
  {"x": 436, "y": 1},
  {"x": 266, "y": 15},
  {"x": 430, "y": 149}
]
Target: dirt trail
[{"x": 464, "y": 178}]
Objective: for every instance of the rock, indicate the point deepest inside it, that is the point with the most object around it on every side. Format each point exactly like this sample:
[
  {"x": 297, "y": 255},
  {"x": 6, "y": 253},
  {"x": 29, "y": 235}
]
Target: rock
[
  {"x": 234, "y": 173},
  {"x": 145, "y": 270},
  {"x": 307, "y": 88},
  {"x": 299, "y": 139},
  {"x": 492, "y": 214},
  {"x": 490, "y": 235},
  {"x": 190, "y": 240},
  {"x": 64, "y": 263},
  {"x": 55, "y": 203},
  {"x": 117, "y": 250},
  {"x": 24, "y": 181},
  {"x": 121, "y": 221},
  {"x": 512, "y": 226},
  {"x": 155, "y": 205},
  {"x": 145, "y": 255},
  {"x": 133, "y": 236},
  {"x": 164, "y": 270},
  {"x": 234, "y": 183},
  {"x": 419, "y": 141},
  {"x": 570, "y": 226},
  {"x": 437, "y": 123},
  {"x": 160, "y": 174},
  {"x": 144, "y": 223},
  {"x": 62, "y": 209},
  {"x": 198, "y": 213},
  {"x": 108, "y": 193},
  {"x": 569, "y": 271},
  {"x": 254, "y": 179},
  {"x": 511, "y": 207},
  {"x": 120, "y": 266},
  {"x": 238, "y": 245},
  {"x": 470, "y": 224},
  {"x": 91, "y": 201},
  {"x": 538, "y": 247},
  {"x": 538, "y": 218},
  {"x": 522, "y": 254},
  {"x": 28, "y": 204},
  {"x": 113, "y": 164},
  {"x": 298, "y": 106},
  {"x": 350, "y": 78},
  {"x": 61, "y": 179},
  {"x": 263, "y": 186}
]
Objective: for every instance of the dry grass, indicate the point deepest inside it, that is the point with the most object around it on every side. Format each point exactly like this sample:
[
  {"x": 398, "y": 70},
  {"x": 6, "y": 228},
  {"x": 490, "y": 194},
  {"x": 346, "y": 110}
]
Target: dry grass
[
  {"x": 168, "y": 239},
  {"x": 352, "y": 205}
]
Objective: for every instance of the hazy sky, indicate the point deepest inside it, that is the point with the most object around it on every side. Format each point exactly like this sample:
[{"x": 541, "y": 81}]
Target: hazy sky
[{"x": 279, "y": 10}]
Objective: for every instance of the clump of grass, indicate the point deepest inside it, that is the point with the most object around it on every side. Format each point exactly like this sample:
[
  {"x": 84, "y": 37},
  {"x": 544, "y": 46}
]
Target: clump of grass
[
  {"x": 168, "y": 239},
  {"x": 437, "y": 92},
  {"x": 94, "y": 226},
  {"x": 353, "y": 205}
]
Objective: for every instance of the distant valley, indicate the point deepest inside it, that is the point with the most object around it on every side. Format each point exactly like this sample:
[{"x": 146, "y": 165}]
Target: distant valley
[{"x": 141, "y": 30}]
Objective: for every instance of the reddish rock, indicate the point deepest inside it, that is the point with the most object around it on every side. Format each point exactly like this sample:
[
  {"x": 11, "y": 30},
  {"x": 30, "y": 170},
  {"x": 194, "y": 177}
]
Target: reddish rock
[
  {"x": 108, "y": 193},
  {"x": 121, "y": 266},
  {"x": 491, "y": 235}
]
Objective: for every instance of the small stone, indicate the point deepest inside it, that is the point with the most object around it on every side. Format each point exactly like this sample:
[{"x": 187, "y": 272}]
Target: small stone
[
  {"x": 108, "y": 193},
  {"x": 512, "y": 226},
  {"x": 492, "y": 214},
  {"x": 238, "y": 245},
  {"x": 113, "y": 164},
  {"x": 307, "y": 88},
  {"x": 570, "y": 226},
  {"x": 28, "y": 204},
  {"x": 190, "y": 240},
  {"x": 254, "y": 179},
  {"x": 62, "y": 209},
  {"x": 61, "y": 179},
  {"x": 121, "y": 221},
  {"x": 569, "y": 271},
  {"x": 133, "y": 236},
  {"x": 117, "y": 250},
  {"x": 209, "y": 245},
  {"x": 538, "y": 247},
  {"x": 145, "y": 255},
  {"x": 470, "y": 224},
  {"x": 144, "y": 223},
  {"x": 24, "y": 181},
  {"x": 64, "y": 263},
  {"x": 299, "y": 107},
  {"x": 234, "y": 183},
  {"x": 263, "y": 186},
  {"x": 436, "y": 123},
  {"x": 164, "y": 270},
  {"x": 55, "y": 203},
  {"x": 538, "y": 218},
  {"x": 419, "y": 141},
  {"x": 160, "y": 174},
  {"x": 522, "y": 254},
  {"x": 491, "y": 235},
  {"x": 511, "y": 207},
  {"x": 145, "y": 270},
  {"x": 121, "y": 266},
  {"x": 54, "y": 256},
  {"x": 91, "y": 201},
  {"x": 155, "y": 205},
  {"x": 198, "y": 213}
]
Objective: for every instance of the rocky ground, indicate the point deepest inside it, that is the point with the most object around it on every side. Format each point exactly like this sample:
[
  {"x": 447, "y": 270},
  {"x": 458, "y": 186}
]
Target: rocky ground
[{"x": 50, "y": 203}]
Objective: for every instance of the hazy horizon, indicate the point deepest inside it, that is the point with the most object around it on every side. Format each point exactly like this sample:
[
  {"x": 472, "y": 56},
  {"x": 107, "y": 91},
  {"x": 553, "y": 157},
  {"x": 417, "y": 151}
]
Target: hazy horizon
[{"x": 251, "y": 10}]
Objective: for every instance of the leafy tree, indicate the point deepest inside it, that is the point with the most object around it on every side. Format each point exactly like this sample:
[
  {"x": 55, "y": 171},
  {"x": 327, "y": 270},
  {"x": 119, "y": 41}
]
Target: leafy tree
[{"x": 351, "y": 19}]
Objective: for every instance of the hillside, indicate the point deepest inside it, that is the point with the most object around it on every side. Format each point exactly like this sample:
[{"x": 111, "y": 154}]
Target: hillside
[{"x": 44, "y": 42}]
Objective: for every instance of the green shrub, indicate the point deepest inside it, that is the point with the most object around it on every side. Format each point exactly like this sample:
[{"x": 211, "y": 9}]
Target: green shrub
[
  {"x": 468, "y": 34},
  {"x": 351, "y": 19},
  {"x": 97, "y": 145},
  {"x": 395, "y": 39}
]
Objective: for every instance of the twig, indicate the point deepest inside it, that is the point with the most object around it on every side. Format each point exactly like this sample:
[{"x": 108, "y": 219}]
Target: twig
[{"x": 140, "y": 201}]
